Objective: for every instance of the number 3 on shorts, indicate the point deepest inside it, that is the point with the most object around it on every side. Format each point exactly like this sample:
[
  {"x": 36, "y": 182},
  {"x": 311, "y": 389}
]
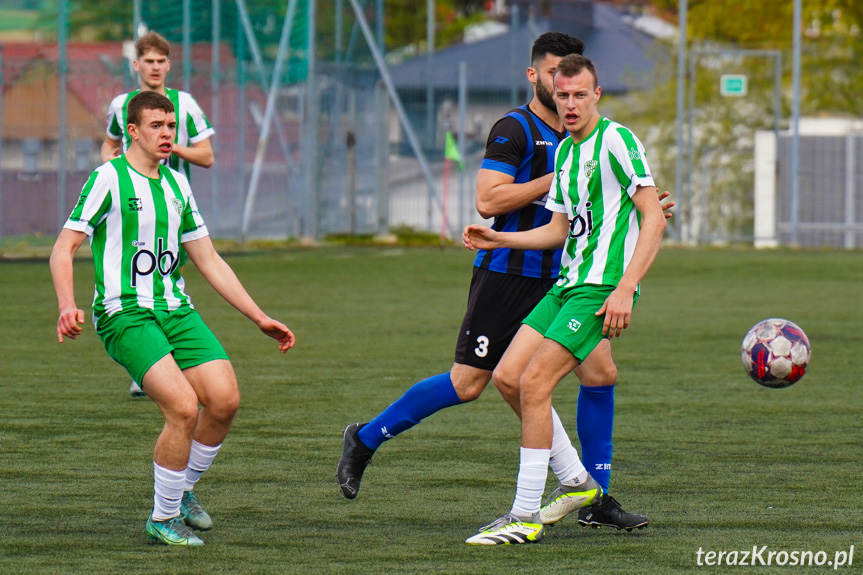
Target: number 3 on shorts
[{"x": 482, "y": 346}]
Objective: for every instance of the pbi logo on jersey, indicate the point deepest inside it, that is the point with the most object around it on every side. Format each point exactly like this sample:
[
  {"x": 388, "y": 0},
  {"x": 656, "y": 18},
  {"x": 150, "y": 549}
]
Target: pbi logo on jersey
[
  {"x": 634, "y": 153},
  {"x": 178, "y": 205},
  {"x": 145, "y": 262},
  {"x": 574, "y": 324},
  {"x": 580, "y": 225},
  {"x": 501, "y": 140},
  {"x": 135, "y": 205},
  {"x": 589, "y": 167}
]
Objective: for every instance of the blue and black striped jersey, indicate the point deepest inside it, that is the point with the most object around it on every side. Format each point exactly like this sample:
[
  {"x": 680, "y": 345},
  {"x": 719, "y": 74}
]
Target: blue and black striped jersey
[{"x": 522, "y": 145}]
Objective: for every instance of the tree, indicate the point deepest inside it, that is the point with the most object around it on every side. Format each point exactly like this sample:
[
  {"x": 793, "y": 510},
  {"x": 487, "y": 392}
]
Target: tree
[
  {"x": 89, "y": 20},
  {"x": 720, "y": 198}
]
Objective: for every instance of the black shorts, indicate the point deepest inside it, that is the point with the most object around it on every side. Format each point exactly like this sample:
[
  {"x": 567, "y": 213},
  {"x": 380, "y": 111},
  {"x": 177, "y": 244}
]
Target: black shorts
[{"x": 496, "y": 306}]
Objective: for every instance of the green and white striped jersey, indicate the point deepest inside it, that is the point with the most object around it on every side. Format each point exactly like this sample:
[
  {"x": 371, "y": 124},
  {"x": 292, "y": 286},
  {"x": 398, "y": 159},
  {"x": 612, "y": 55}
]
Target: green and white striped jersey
[
  {"x": 593, "y": 185},
  {"x": 192, "y": 124},
  {"x": 136, "y": 225}
]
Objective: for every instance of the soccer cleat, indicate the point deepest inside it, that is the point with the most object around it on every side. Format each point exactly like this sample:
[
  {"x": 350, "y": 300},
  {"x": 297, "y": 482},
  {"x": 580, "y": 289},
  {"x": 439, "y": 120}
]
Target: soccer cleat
[
  {"x": 567, "y": 498},
  {"x": 193, "y": 514},
  {"x": 355, "y": 457},
  {"x": 608, "y": 513},
  {"x": 135, "y": 390},
  {"x": 509, "y": 530},
  {"x": 172, "y": 532}
]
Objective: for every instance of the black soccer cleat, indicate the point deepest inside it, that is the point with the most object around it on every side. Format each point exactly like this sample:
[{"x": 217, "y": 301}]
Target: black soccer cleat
[
  {"x": 608, "y": 513},
  {"x": 355, "y": 457}
]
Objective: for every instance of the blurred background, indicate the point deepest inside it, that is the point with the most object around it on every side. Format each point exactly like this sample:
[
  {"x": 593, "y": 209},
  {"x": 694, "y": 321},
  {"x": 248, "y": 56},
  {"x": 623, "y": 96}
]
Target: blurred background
[{"x": 332, "y": 117}]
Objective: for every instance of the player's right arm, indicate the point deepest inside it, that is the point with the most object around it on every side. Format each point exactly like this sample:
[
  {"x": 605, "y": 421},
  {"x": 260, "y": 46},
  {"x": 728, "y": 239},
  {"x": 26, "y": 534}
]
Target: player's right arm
[
  {"x": 71, "y": 318},
  {"x": 496, "y": 192},
  {"x": 199, "y": 153},
  {"x": 113, "y": 144},
  {"x": 110, "y": 149},
  {"x": 550, "y": 236}
]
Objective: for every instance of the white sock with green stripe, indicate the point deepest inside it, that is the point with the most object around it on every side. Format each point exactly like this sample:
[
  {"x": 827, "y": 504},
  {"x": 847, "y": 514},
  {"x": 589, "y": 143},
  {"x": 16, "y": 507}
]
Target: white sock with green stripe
[
  {"x": 564, "y": 460},
  {"x": 532, "y": 473},
  {"x": 200, "y": 458},
  {"x": 168, "y": 485}
]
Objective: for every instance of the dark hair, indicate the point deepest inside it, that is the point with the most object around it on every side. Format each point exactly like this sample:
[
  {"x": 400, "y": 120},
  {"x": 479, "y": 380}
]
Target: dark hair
[
  {"x": 152, "y": 41},
  {"x": 556, "y": 44},
  {"x": 147, "y": 101},
  {"x": 573, "y": 64}
]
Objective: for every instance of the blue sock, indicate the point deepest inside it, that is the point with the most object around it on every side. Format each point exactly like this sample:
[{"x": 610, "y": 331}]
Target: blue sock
[
  {"x": 424, "y": 398},
  {"x": 594, "y": 421}
]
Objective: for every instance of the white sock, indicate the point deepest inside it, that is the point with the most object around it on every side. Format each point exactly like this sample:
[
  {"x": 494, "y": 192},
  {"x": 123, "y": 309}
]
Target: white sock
[
  {"x": 168, "y": 485},
  {"x": 531, "y": 482},
  {"x": 564, "y": 458},
  {"x": 200, "y": 458}
]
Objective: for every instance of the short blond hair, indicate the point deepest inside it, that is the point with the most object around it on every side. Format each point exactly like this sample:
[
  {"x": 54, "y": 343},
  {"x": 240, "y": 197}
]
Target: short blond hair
[{"x": 152, "y": 41}]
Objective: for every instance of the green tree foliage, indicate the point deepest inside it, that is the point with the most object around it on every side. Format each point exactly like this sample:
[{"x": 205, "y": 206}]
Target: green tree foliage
[
  {"x": 720, "y": 170},
  {"x": 89, "y": 20},
  {"x": 406, "y": 21},
  {"x": 768, "y": 22},
  {"x": 831, "y": 48}
]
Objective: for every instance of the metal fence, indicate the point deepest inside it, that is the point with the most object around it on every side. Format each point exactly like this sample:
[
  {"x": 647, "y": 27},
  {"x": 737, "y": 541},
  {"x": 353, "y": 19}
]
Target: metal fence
[
  {"x": 313, "y": 138},
  {"x": 305, "y": 147},
  {"x": 831, "y": 199}
]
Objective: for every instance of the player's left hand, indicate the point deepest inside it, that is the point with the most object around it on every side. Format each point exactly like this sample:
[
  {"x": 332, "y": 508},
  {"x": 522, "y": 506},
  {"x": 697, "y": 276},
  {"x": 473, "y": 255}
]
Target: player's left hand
[
  {"x": 618, "y": 310},
  {"x": 279, "y": 332},
  {"x": 666, "y": 207},
  {"x": 70, "y": 323},
  {"x": 476, "y": 236}
]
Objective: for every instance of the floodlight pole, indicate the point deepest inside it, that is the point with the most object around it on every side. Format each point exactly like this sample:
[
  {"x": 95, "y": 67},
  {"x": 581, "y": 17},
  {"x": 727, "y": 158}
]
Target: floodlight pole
[
  {"x": 312, "y": 128},
  {"x": 241, "y": 102},
  {"x": 215, "y": 77},
  {"x": 681, "y": 111},
  {"x": 187, "y": 45},
  {"x": 1, "y": 142},
  {"x": 63, "y": 65},
  {"x": 462, "y": 140},
  {"x": 340, "y": 23},
  {"x": 795, "y": 127},
  {"x": 513, "y": 55},
  {"x": 430, "y": 7},
  {"x": 136, "y": 18},
  {"x": 379, "y": 25}
]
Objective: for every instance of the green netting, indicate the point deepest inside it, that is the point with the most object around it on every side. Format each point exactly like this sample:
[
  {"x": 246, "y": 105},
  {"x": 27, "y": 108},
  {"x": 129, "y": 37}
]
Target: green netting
[{"x": 266, "y": 18}]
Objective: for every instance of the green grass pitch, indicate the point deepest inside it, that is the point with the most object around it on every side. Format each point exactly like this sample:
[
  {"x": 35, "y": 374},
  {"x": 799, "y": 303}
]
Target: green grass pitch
[{"x": 716, "y": 461}]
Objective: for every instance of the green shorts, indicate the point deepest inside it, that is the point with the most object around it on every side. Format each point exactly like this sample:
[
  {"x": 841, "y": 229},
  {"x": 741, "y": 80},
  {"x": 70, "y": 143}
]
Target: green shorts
[
  {"x": 567, "y": 316},
  {"x": 138, "y": 338}
]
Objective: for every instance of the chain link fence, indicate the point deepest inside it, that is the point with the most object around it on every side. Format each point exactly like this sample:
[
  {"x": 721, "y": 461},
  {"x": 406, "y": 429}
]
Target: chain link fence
[
  {"x": 305, "y": 147},
  {"x": 311, "y": 142}
]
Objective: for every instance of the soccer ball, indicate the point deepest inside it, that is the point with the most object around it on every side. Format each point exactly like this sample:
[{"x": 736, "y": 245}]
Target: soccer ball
[{"x": 775, "y": 353}]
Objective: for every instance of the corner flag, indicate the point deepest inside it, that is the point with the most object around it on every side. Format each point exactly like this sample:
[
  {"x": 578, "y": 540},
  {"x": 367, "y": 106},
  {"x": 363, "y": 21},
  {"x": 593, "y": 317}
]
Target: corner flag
[{"x": 451, "y": 151}]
